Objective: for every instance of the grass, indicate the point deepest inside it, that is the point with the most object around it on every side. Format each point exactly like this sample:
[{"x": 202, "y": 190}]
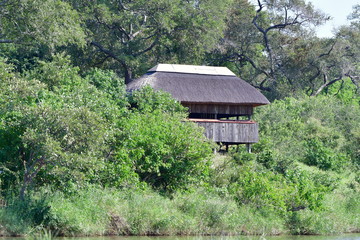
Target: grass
[
  {"x": 113, "y": 212},
  {"x": 341, "y": 214}
]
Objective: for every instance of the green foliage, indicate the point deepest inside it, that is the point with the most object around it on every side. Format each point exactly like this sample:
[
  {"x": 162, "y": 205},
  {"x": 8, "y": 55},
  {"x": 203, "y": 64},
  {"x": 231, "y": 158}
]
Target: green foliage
[
  {"x": 307, "y": 189},
  {"x": 58, "y": 130},
  {"x": 22, "y": 216},
  {"x": 264, "y": 189},
  {"x": 147, "y": 100},
  {"x": 323, "y": 157},
  {"x": 258, "y": 187},
  {"x": 305, "y": 149},
  {"x": 316, "y": 131},
  {"x": 152, "y": 214},
  {"x": 344, "y": 90},
  {"x": 97, "y": 211},
  {"x": 268, "y": 156},
  {"x": 42, "y": 234},
  {"x": 296, "y": 62},
  {"x": 69, "y": 130},
  {"x": 134, "y": 36},
  {"x": 341, "y": 214},
  {"x": 164, "y": 150},
  {"x": 155, "y": 145},
  {"x": 81, "y": 214},
  {"x": 57, "y": 73},
  {"x": 319, "y": 131},
  {"x": 49, "y": 22},
  {"x": 108, "y": 82}
]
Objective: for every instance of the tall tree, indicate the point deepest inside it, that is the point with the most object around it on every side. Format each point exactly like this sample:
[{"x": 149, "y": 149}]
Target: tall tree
[
  {"x": 332, "y": 60},
  {"x": 31, "y": 22},
  {"x": 133, "y": 35},
  {"x": 260, "y": 40},
  {"x": 53, "y": 124}
]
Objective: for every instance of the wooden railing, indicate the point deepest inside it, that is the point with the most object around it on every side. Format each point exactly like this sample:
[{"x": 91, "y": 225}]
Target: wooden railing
[{"x": 230, "y": 131}]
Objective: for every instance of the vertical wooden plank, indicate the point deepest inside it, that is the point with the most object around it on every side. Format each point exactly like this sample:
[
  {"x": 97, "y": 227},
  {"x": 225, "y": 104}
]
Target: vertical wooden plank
[{"x": 231, "y": 132}]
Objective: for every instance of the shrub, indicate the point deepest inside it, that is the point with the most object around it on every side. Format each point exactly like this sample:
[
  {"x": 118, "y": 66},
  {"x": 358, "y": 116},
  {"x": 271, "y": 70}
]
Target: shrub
[
  {"x": 166, "y": 153},
  {"x": 323, "y": 157},
  {"x": 162, "y": 148},
  {"x": 21, "y": 216}
]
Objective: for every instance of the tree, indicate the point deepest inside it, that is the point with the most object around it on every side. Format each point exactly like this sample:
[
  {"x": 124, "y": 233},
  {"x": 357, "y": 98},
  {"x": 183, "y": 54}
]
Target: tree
[
  {"x": 270, "y": 44},
  {"x": 287, "y": 15},
  {"x": 134, "y": 35},
  {"x": 60, "y": 127},
  {"x": 32, "y": 30},
  {"x": 334, "y": 60},
  {"x": 273, "y": 46},
  {"x": 49, "y": 22}
]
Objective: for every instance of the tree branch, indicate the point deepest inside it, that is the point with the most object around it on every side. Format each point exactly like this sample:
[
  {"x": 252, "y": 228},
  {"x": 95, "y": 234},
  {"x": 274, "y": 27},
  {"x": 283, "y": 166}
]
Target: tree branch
[
  {"x": 354, "y": 79},
  {"x": 265, "y": 38},
  {"x": 326, "y": 84},
  {"x": 127, "y": 73},
  {"x": 106, "y": 51},
  {"x": 253, "y": 64},
  {"x": 152, "y": 45},
  {"x": 328, "y": 52},
  {"x": 261, "y": 86},
  {"x": 123, "y": 6},
  {"x": 30, "y": 174},
  {"x": 6, "y": 41}
]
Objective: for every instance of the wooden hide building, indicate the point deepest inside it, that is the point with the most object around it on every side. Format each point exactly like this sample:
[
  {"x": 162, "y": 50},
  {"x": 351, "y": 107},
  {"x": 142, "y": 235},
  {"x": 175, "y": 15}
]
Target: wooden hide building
[{"x": 217, "y": 99}]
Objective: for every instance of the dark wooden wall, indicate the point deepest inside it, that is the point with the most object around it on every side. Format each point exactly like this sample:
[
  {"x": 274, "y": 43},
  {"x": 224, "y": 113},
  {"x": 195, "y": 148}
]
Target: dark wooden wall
[{"x": 221, "y": 109}]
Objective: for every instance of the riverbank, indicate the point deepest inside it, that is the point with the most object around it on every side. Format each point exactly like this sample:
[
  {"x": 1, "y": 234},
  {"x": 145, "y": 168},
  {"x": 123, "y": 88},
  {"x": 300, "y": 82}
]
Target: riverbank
[
  {"x": 101, "y": 212},
  {"x": 158, "y": 176}
]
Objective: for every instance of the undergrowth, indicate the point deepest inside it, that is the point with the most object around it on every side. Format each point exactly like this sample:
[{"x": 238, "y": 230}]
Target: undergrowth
[{"x": 97, "y": 211}]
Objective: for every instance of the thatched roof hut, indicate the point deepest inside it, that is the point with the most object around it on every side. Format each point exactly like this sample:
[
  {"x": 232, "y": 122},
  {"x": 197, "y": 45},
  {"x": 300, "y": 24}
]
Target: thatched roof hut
[
  {"x": 209, "y": 93},
  {"x": 200, "y": 84}
]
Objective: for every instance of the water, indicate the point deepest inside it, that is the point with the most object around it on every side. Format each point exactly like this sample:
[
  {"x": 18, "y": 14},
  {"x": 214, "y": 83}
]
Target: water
[{"x": 341, "y": 237}]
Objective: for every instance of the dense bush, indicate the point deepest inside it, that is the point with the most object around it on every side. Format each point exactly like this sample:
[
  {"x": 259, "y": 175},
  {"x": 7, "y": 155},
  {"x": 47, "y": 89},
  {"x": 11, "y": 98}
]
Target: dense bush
[
  {"x": 59, "y": 127},
  {"x": 64, "y": 130},
  {"x": 321, "y": 131},
  {"x": 323, "y": 157},
  {"x": 164, "y": 149},
  {"x": 308, "y": 151},
  {"x": 252, "y": 184},
  {"x": 97, "y": 211}
]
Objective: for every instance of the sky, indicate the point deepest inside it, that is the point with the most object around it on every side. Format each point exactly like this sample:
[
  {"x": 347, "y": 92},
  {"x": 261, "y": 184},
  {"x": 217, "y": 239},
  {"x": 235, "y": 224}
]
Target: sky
[{"x": 338, "y": 9}]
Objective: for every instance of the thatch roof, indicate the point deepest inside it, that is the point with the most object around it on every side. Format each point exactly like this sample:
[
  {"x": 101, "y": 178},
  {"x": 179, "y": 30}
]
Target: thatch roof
[{"x": 200, "y": 84}]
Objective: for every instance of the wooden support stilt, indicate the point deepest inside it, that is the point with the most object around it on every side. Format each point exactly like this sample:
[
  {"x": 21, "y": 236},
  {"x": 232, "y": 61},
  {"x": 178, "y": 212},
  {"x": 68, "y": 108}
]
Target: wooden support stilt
[{"x": 248, "y": 147}]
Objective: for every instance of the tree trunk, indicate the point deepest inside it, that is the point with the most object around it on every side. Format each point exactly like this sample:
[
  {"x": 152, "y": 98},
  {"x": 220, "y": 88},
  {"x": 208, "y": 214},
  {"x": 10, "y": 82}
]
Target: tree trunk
[
  {"x": 128, "y": 75},
  {"x": 30, "y": 173}
]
